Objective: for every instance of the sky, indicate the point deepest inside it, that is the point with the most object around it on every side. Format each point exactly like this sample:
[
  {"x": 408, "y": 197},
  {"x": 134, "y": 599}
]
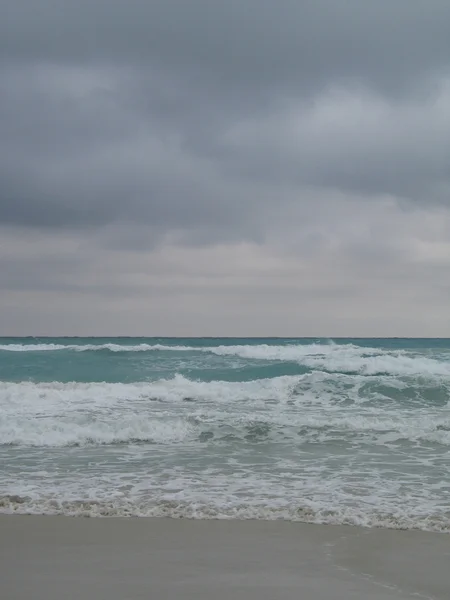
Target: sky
[{"x": 225, "y": 168}]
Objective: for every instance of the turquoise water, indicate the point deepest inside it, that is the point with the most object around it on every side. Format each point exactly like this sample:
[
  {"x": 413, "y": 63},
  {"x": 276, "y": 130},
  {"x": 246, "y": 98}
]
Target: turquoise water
[{"x": 333, "y": 431}]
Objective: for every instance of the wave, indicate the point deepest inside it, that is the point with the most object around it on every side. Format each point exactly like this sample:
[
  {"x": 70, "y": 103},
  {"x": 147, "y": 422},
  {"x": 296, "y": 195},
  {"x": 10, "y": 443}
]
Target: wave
[
  {"x": 346, "y": 358},
  {"x": 15, "y": 504},
  {"x": 56, "y": 432},
  {"x": 254, "y": 351},
  {"x": 88, "y": 347},
  {"x": 73, "y": 414},
  {"x": 176, "y": 389},
  {"x": 32, "y": 347},
  {"x": 333, "y": 358},
  {"x": 221, "y": 429},
  {"x": 183, "y": 411}
]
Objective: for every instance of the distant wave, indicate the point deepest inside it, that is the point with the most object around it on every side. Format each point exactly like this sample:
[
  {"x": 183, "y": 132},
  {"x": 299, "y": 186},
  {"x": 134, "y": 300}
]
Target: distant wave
[
  {"x": 88, "y": 347},
  {"x": 32, "y": 347},
  {"x": 346, "y": 358},
  {"x": 257, "y": 351},
  {"x": 337, "y": 358},
  {"x": 124, "y": 507}
]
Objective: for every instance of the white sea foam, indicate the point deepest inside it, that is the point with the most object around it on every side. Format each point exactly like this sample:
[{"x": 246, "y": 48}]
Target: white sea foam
[
  {"x": 288, "y": 352},
  {"x": 73, "y": 431},
  {"x": 255, "y": 351},
  {"x": 81, "y": 431},
  {"x": 178, "y": 388},
  {"x": 14, "y": 504},
  {"x": 346, "y": 358},
  {"x": 386, "y": 364},
  {"x": 64, "y": 414},
  {"x": 32, "y": 347}
]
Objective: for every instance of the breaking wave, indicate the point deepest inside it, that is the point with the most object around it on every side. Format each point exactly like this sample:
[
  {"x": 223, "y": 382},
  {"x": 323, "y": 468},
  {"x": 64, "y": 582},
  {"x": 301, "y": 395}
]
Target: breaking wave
[
  {"x": 180, "y": 410},
  {"x": 335, "y": 358}
]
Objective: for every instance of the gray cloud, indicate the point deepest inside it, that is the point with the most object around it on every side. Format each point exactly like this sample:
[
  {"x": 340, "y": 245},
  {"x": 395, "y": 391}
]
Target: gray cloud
[
  {"x": 252, "y": 156},
  {"x": 241, "y": 42}
]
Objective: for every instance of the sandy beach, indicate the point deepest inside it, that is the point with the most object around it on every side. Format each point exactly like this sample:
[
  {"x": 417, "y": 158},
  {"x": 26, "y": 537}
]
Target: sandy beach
[{"x": 49, "y": 558}]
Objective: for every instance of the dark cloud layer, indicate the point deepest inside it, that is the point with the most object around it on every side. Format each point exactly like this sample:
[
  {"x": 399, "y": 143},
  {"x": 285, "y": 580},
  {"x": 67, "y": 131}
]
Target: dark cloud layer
[
  {"x": 249, "y": 41},
  {"x": 247, "y": 151}
]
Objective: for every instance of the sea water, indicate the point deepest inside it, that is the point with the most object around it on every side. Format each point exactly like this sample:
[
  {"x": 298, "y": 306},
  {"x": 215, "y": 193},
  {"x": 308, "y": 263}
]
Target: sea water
[{"x": 328, "y": 431}]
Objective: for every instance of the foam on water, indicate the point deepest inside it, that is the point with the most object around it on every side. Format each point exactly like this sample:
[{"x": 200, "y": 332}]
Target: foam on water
[
  {"x": 178, "y": 388},
  {"x": 181, "y": 510},
  {"x": 82, "y": 431},
  {"x": 32, "y": 347}
]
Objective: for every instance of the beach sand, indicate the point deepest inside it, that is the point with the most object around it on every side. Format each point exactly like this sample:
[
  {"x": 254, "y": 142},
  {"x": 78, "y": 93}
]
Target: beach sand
[{"x": 55, "y": 558}]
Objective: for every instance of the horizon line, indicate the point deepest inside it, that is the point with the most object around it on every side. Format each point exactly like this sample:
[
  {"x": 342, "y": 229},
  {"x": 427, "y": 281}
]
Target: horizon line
[{"x": 228, "y": 337}]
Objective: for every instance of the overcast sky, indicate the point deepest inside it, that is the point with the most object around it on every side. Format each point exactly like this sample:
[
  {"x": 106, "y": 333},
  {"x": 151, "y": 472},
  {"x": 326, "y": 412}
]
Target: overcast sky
[{"x": 232, "y": 167}]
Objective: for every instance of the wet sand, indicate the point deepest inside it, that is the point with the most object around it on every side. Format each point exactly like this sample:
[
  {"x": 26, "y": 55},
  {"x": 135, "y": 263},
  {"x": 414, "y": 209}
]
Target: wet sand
[{"x": 55, "y": 558}]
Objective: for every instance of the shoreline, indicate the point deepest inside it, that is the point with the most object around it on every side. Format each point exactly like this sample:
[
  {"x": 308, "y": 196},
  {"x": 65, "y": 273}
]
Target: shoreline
[
  {"x": 47, "y": 557},
  {"x": 14, "y": 505}
]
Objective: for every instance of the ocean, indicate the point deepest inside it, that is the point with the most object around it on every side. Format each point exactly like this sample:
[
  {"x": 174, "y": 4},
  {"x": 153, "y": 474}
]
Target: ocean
[{"x": 342, "y": 431}]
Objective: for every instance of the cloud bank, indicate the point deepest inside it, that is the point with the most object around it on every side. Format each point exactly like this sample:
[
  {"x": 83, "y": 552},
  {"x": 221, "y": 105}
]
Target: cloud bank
[{"x": 211, "y": 168}]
